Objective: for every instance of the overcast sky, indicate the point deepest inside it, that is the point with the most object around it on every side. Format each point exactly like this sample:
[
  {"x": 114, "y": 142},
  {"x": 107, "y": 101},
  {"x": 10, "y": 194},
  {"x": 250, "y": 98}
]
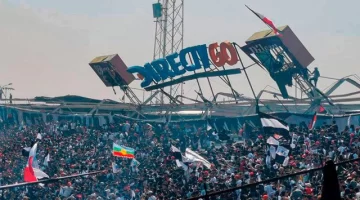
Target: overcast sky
[{"x": 46, "y": 45}]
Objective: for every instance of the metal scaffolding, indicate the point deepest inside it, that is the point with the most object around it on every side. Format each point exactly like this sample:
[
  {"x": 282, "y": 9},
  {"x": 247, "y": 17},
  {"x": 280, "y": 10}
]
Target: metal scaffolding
[{"x": 169, "y": 36}]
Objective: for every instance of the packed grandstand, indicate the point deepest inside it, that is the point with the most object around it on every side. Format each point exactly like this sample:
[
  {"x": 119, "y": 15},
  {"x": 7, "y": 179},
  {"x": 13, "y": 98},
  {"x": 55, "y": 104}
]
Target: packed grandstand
[
  {"x": 174, "y": 146},
  {"x": 174, "y": 161}
]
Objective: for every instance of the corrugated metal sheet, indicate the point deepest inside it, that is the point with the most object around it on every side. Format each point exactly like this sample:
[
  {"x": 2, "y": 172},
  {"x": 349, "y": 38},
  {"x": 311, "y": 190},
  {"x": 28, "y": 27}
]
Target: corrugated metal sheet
[
  {"x": 265, "y": 34},
  {"x": 99, "y": 59}
]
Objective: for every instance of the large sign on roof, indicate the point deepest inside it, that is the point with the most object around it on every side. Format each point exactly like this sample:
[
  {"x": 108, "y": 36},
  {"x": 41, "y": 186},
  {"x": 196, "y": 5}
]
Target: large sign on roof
[
  {"x": 187, "y": 60},
  {"x": 111, "y": 69}
]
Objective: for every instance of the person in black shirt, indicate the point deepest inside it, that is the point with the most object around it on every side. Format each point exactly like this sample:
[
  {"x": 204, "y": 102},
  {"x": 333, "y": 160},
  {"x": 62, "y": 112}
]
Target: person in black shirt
[
  {"x": 335, "y": 128},
  {"x": 10, "y": 98},
  {"x": 316, "y": 75}
]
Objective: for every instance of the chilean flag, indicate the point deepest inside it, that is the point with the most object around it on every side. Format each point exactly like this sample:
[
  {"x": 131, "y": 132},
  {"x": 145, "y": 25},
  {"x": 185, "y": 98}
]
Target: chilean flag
[
  {"x": 29, "y": 174},
  {"x": 32, "y": 172},
  {"x": 313, "y": 122},
  {"x": 266, "y": 20}
]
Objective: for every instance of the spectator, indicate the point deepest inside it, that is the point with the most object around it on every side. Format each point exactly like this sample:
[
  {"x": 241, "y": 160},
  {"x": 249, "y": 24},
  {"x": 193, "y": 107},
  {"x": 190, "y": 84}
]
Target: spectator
[{"x": 75, "y": 149}]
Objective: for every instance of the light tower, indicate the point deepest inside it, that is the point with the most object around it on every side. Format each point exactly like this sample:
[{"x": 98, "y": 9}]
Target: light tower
[{"x": 169, "y": 33}]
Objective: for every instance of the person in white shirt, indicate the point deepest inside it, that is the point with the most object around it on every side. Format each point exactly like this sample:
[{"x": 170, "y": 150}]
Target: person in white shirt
[
  {"x": 213, "y": 180},
  {"x": 269, "y": 190},
  {"x": 238, "y": 192},
  {"x": 66, "y": 191},
  {"x": 341, "y": 149},
  {"x": 357, "y": 194}
]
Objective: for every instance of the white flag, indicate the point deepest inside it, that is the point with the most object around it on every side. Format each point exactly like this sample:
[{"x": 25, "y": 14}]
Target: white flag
[
  {"x": 286, "y": 161},
  {"x": 349, "y": 121},
  {"x": 194, "y": 157},
  {"x": 208, "y": 127},
  {"x": 40, "y": 174},
  {"x": 39, "y": 136},
  {"x": 294, "y": 140},
  {"x": 181, "y": 164},
  {"x": 115, "y": 168},
  {"x": 47, "y": 160},
  {"x": 272, "y": 152},
  {"x": 282, "y": 151},
  {"x": 272, "y": 141}
]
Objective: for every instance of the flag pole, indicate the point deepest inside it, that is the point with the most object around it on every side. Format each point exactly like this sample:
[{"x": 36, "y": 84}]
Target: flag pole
[{"x": 254, "y": 12}]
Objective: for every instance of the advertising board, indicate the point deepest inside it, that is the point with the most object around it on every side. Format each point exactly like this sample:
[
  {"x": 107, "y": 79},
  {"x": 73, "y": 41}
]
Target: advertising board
[
  {"x": 177, "y": 64},
  {"x": 112, "y": 70}
]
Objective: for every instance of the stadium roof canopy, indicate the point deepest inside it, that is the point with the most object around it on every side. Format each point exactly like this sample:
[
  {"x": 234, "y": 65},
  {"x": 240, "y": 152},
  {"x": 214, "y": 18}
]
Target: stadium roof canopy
[
  {"x": 233, "y": 107},
  {"x": 70, "y": 99}
]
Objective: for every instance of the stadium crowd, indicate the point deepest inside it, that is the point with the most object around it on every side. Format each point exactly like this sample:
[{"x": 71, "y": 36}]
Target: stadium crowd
[{"x": 241, "y": 159}]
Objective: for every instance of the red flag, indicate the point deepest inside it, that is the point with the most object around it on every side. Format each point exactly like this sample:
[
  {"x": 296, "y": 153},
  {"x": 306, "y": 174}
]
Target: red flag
[
  {"x": 313, "y": 122},
  {"x": 29, "y": 174},
  {"x": 266, "y": 20},
  {"x": 321, "y": 109}
]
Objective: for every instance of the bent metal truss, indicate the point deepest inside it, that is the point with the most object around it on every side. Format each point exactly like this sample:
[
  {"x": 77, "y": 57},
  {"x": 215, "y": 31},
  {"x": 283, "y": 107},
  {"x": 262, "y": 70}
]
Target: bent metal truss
[{"x": 241, "y": 106}]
